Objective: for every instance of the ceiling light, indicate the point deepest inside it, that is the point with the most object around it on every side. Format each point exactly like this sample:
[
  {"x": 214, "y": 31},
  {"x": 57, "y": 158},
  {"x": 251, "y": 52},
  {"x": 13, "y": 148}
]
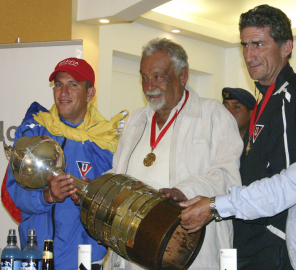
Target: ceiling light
[
  {"x": 104, "y": 21},
  {"x": 176, "y": 31}
]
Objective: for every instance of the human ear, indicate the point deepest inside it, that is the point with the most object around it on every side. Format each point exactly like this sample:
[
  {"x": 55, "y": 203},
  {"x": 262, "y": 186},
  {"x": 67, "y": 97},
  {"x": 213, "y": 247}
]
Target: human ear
[
  {"x": 90, "y": 93},
  {"x": 184, "y": 76},
  {"x": 287, "y": 48}
]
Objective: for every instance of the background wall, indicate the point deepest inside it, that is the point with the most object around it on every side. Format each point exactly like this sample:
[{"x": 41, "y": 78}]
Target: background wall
[
  {"x": 119, "y": 82},
  {"x": 90, "y": 36},
  {"x": 35, "y": 20}
]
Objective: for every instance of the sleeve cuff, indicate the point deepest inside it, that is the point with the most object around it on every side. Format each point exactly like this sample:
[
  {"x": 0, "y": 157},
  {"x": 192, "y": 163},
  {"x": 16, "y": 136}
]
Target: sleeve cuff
[
  {"x": 224, "y": 207},
  {"x": 42, "y": 201}
]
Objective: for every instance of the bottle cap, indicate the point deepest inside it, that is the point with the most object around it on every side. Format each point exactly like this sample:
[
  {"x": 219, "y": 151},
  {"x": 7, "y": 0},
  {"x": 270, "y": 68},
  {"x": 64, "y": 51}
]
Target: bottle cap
[
  {"x": 32, "y": 236},
  {"x": 11, "y": 236},
  {"x": 48, "y": 240},
  {"x": 11, "y": 232}
]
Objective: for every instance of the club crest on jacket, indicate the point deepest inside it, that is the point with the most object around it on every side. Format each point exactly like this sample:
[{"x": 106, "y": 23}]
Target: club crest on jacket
[
  {"x": 84, "y": 167},
  {"x": 257, "y": 131}
]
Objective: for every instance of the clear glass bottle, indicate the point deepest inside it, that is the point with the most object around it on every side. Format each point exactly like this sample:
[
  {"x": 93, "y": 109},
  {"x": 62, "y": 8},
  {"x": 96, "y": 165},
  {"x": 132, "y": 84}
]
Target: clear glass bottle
[
  {"x": 47, "y": 259},
  {"x": 11, "y": 255},
  {"x": 31, "y": 254}
]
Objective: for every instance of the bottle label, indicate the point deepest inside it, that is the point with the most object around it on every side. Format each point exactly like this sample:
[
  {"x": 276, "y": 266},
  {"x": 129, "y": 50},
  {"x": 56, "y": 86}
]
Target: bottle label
[
  {"x": 47, "y": 255},
  {"x": 10, "y": 264},
  {"x": 31, "y": 264}
]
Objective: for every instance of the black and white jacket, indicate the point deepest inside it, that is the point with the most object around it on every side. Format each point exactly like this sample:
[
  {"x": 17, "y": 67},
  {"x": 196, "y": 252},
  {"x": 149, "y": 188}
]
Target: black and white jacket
[{"x": 273, "y": 148}]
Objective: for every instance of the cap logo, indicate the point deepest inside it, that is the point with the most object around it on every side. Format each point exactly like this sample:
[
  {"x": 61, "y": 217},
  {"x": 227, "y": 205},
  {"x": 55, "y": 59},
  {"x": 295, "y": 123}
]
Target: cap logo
[
  {"x": 226, "y": 94},
  {"x": 69, "y": 62}
]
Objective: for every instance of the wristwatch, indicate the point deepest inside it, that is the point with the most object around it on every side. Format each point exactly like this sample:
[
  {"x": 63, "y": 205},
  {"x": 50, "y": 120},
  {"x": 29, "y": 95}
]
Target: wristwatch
[{"x": 213, "y": 210}]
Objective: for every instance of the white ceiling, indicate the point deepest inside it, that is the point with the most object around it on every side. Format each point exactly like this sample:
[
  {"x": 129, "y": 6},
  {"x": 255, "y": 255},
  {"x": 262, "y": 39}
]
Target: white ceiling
[
  {"x": 214, "y": 21},
  {"x": 224, "y": 12}
]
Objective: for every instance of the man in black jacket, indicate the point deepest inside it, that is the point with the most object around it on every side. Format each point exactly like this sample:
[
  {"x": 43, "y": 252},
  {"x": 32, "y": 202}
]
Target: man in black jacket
[{"x": 269, "y": 143}]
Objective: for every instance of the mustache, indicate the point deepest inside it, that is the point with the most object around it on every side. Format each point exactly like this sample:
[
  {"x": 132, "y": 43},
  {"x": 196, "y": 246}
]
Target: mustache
[
  {"x": 154, "y": 92},
  {"x": 252, "y": 63}
]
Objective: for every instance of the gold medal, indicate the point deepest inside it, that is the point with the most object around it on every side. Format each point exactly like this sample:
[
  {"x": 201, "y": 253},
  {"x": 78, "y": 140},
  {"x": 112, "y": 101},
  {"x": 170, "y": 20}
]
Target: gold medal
[
  {"x": 248, "y": 147},
  {"x": 149, "y": 160}
]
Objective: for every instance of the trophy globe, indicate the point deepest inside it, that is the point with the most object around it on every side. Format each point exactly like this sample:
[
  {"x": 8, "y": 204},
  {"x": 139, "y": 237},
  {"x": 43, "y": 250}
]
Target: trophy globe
[{"x": 34, "y": 158}]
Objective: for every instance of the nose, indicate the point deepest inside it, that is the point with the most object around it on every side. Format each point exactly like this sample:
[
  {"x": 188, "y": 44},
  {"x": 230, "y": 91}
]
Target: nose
[
  {"x": 64, "y": 90},
  {"x": 249, "y": 54},
  {"x": 150, "y": 84},
  {"x": 230, "y": 109}
]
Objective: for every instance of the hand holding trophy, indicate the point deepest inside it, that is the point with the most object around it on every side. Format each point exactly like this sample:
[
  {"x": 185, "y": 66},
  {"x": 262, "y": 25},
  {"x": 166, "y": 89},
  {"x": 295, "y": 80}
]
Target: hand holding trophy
[{"x": 130, "y": 217}]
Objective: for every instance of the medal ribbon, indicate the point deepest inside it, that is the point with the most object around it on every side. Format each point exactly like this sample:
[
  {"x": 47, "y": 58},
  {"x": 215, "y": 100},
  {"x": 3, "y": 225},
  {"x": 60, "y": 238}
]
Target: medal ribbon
[
  {"x": 153, "y": 142},
  {"x": 253, "y": 122}
]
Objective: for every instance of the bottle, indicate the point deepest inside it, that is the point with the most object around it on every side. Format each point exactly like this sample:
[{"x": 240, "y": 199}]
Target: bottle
[
  {"x": 31, "y": 254},
  {"x": 47, "y": 259},
  {"x": 84, "y": 256},
  {"x": 11, "y": 255}
]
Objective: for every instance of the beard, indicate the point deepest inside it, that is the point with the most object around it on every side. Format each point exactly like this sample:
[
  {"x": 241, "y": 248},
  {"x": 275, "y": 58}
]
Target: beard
[{"x": 156, "y": 103}]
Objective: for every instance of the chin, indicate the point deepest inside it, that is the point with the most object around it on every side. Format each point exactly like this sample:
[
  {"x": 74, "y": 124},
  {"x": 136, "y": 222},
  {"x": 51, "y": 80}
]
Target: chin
[
  {"x": 157, "y": 106},
  {"x": 255, "y": 74}
]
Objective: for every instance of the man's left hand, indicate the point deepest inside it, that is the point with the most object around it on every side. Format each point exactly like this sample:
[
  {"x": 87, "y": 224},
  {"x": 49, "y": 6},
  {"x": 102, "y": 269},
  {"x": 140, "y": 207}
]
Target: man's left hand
[
  {"x": 197, "y": 214},
  {"x": 174, "y": 193}
]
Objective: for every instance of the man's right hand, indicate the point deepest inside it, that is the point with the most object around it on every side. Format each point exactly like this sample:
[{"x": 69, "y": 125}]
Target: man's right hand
[
  {"x": 75, "y": 198},
  {"x": 58, "y": 188},
  {"x": 197, "y": 214}
]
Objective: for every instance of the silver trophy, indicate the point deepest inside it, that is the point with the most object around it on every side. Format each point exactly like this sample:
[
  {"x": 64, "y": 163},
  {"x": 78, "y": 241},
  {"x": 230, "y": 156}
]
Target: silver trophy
[
  {"x": 33, "y": 158},
  {"x": 132, "y": 218}
]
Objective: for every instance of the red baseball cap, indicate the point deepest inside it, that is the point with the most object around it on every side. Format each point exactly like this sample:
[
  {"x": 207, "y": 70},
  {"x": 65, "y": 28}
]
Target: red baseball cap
[{"x": 79, "y": 69}]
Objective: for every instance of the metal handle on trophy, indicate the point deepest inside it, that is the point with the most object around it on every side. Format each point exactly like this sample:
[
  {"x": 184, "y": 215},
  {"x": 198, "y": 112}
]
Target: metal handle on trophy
[
  {"x": 34, "y": 158},
  {"x": 78, "y": 183},
  {"x": 7, "y": 149}
]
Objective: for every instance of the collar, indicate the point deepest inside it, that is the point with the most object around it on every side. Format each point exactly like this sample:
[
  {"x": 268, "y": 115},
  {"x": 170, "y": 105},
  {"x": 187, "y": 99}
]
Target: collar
[
  {"x": 192, "y": 108},
  {"x": 287, "y": 70},
  {"x": 69, "y": 123},
  {"x": 150, "y": 112},
  {"x": 94, "y": 127}
]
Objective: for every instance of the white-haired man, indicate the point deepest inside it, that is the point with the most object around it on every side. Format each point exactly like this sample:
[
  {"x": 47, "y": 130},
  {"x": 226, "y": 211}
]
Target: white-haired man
[{"x": 181, "y": 143}]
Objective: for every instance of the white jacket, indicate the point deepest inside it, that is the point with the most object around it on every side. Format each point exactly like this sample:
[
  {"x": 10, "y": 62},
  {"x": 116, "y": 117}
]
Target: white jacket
[{"x": 204, "y": 160}]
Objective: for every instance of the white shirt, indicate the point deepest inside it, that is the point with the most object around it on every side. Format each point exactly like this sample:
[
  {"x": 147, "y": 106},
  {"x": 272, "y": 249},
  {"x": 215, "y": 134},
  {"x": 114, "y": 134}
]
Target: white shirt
[
  {"x": 156, "y": 175},
  {"x": 204, "y": 159},
  {"x": 265, "y": 198}
]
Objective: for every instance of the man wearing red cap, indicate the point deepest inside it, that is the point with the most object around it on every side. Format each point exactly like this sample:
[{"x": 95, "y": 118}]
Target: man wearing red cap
[{"x": 88, "y": 142}]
